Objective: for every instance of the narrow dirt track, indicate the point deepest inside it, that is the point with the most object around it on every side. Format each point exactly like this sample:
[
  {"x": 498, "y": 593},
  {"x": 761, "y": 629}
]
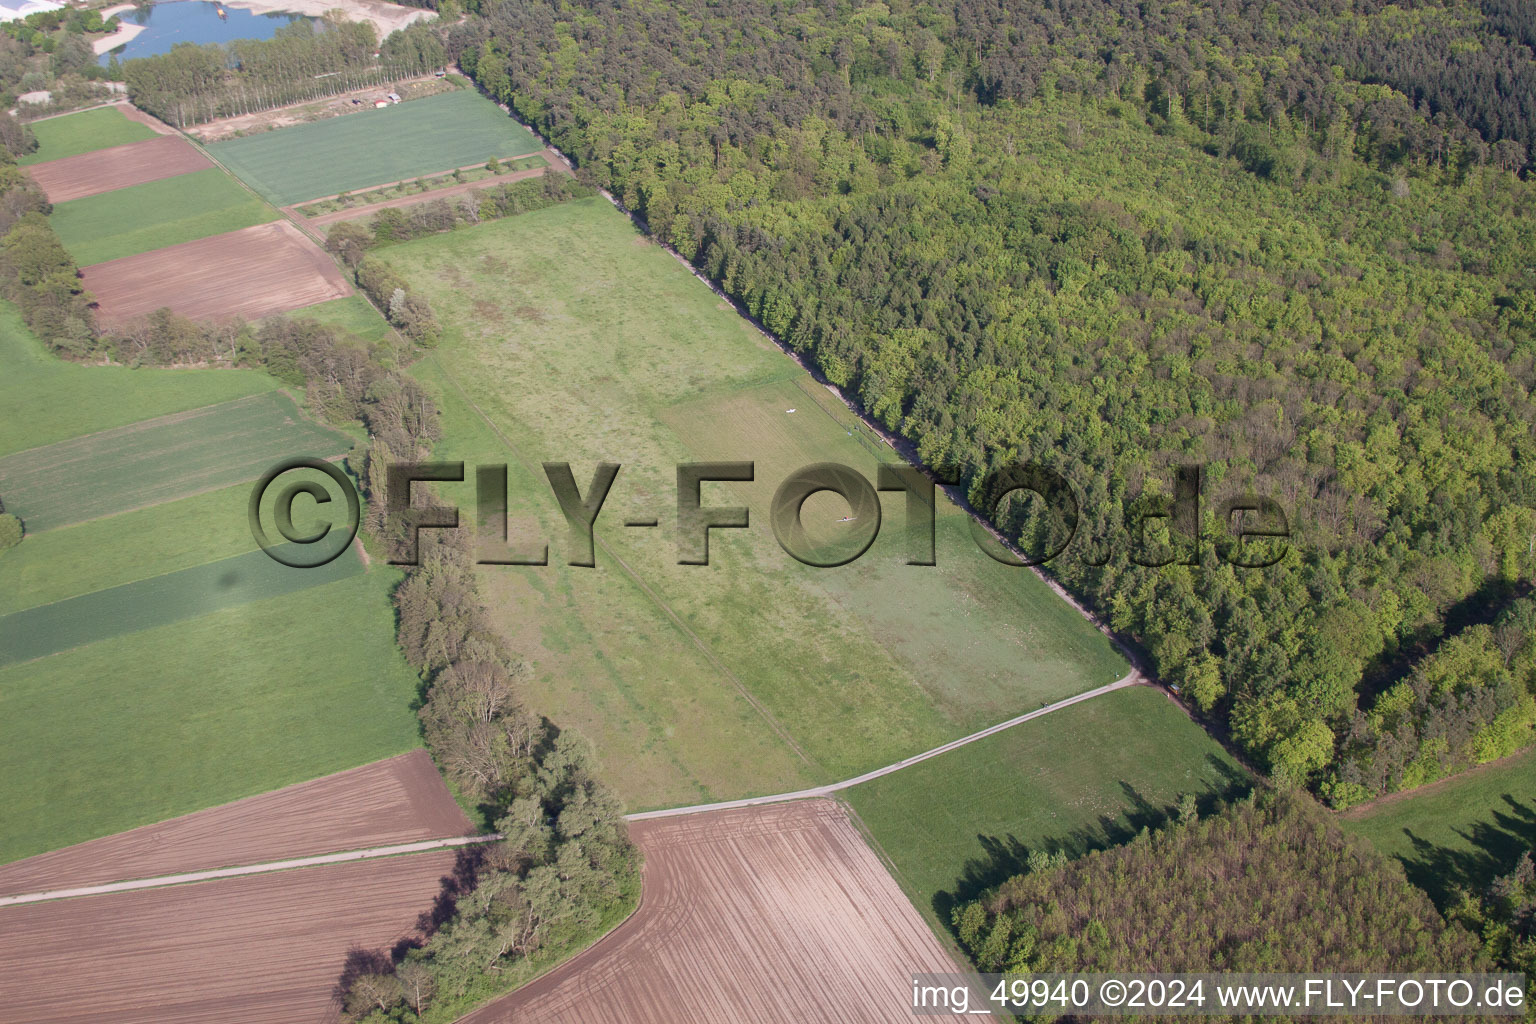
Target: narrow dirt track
[
  {"x": 398, "y": 800},
  {"x": 768, "y": 914}
]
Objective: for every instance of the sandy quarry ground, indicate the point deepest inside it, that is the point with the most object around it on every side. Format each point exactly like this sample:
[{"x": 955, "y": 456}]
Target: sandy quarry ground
[
  {"x": 397, "y": 800},
  {"x": 386, "y": 18},
  {"x": 778, "y": 913},
  {"x": 267, "y": 949},
  {"x": 250, "y": 273},
  {"x": 106, "y": 170}
]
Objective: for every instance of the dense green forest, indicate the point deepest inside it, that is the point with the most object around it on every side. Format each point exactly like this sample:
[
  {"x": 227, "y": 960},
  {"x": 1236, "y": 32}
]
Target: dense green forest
[
  {"x": 1268, "y": 885},
  {"x": 1289, "y": 242}
]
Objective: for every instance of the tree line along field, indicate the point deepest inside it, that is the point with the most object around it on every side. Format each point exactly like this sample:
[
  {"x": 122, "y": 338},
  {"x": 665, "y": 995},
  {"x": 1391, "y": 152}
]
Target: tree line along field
[
  {"x": 71, "y": 135},
  {"x": 784, "y": 674},
  {"x": 48, "y": 400},
  {"x": 159, "y": 460},
  {"x": 156, "y": 214},
  {"x": 224, "y": 678},
  {"x": 373, "y": 147}
]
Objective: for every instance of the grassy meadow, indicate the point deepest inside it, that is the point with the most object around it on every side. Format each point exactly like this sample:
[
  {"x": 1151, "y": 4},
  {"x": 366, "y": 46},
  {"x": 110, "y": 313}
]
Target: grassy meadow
[
  {"x": 140, "y": 218},
  {"x": 373, "y": 147},
  {"x": 624, "y": 356},
  {"x": 85, "y": 132},
  {"x": 1082, "y": 778},
  {"x": 1464, "y": 831}
]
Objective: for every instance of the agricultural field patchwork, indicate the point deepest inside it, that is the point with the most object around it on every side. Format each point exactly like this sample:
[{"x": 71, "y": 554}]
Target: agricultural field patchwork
[
  {"x": 374, "y": 147},
  {"x": 159, "y": 460},
  {"x": 73, "y": 134},
  {"x": 632, "y": 360},
  {"x": 137, "y": 219},
  {"x": 1085, "y": 777},
  {"x": 47, "y": 399}
]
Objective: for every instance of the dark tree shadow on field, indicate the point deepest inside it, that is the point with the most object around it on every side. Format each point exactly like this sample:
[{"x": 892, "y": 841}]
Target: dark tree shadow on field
[
  {"x": 1496, "y": 847},
  {"x": 461, "y": 879}
]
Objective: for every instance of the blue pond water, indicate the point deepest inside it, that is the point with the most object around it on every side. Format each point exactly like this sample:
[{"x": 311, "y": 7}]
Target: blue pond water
[{"x": 193, "y": 21}]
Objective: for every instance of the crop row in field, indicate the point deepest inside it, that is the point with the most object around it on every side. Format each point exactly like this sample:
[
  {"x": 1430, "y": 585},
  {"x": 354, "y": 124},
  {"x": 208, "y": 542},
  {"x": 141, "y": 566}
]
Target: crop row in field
[
  {"x": 159, "y": 601},
  {"x": 159, "y": 460}
]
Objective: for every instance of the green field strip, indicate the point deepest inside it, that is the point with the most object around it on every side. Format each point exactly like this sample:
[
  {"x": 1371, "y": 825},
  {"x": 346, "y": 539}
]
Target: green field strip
[
  {"x": 1081, "y": 778},
  {"x": 160, "y": 460},
  {"x": 148, "y": 725},
  {"x": 86, "y": 132},
  {"x": 353, "y": 313},
  {"x": 160, "y": 601},
  {"x": 142, "y": 218},
  {"x": 47, "y": 399},
  {"x": 374, "y": 147}
]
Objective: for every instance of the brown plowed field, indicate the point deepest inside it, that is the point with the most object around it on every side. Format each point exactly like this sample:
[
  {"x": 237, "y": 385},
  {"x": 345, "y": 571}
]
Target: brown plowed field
[
  {"x": 250, "y": 273},
  {"x": 267, "y": 949},
  {"x": 106, "y": 170},
  {"x": 398, "y": 800},
  {"x": 777, "y": 913}
]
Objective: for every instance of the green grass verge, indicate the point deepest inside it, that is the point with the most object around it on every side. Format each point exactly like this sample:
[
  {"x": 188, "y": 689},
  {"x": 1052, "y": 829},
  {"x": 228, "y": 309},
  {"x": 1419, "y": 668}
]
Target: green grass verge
[
  {"x": 73, "y": 134},
  {"x": 1082, "y": 778},
  {"x": 47, "y": 399},
  {"x": 156, "y": 214},
  {"x": 160, "y": 460},
  {"x": 150, "y": 725},
  {"x": 353, "y": 313},
  {"x": 372, "y": 147},
  {"x": 1463, "y": 832},
  {"x": 159, "y": 601},
  {"x": 628, "y": 358}
]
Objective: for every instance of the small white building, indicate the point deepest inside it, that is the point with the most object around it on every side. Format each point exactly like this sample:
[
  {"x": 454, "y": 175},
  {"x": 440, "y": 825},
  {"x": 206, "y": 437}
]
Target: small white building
[{"x": 11, "y": 10}]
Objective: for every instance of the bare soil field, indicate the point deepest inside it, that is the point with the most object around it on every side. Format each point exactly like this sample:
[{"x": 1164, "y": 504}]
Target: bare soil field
[
  {"x": 397, "y": 800},
  {"x": 266, "y": 949},
  {"x": 250, "y": 273},
  {"x": 777, "y": 913},
  {"x": 106, "y": 170}
]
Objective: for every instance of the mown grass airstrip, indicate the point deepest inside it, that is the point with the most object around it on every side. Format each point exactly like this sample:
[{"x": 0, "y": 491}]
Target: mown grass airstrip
[{"x": 831, "y": 672}]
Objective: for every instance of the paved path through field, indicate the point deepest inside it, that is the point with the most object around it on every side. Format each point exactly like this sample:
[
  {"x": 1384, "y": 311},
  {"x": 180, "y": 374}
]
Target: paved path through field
[{"x": 1132, "y": 679}]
